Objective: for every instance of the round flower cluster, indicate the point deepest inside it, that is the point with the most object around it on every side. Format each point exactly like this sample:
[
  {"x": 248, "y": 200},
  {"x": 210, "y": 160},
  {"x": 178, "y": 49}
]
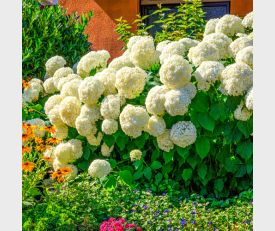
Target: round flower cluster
[
  {"x": 249, "y": 99},
  {"x": 240, "y": 43},
  {"x": 106, "y": 150},
  {"x": 135, "y": 154},
  {"x": 248, "y": 21},
  {"x": 245, "y": 56},
  {"x": 99, "y": 168},
  {"x": 133, "y": 120},
  {"x": 172, "y": 48},
  {"x": 242, "y": 113},
  {"x": 229, "y": 25},
  {"x": 155, "y": 126},
  {"x": 53, "y": 64},
  {"x": 92, "y": 60},
  {"x": 210, "y": 26},
  {"x": 33, "y": 91}
]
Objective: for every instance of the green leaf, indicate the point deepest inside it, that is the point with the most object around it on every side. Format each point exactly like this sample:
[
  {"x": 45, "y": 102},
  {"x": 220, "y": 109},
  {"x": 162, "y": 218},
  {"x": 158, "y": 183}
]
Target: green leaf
[
  {"x": 141, "y": 140},
  {"x": 168, "y": 156},
  {"x": 232, "y": 164},
  {"x": 109, "y": 140},
  {"x": 245, "y": 150},
  {"x": 202, "y": 146},
  {"x": 84, "y": 165},
  {"x": 158, "y": 178},
  {"x": 138, "y": 174},
  {"x": 206, "y": 121},
  {"x": 193, "y": 161},
  {"x": 218, "y": 111},
  {"x": 126, "y": 176},
  {"x": 156, "y": 165},
  {"x": 241, "y": 171},
  {"x": 147, "y": 173},
  {"x": 201, "y": 102},
  {"x": 38, "y": 107},
  {"x": 202, "y": 170},
  {"x": 121, "y": 142},
  {"x": 246, "y": 127},
  {"x": 86, "y": 152},
  {"x": 112, "y": 163},
  {"x": 34, "y": 192},
  {"x": 155, "y": 155},
  {"x": 249, "y": 168},
  {"x": 186, "y": 174},
  {"x": 137, "y": 164},
  {"x": 111, "y": 182},
  {"x": 183, "y": 152},
  {"x": 218, "y": 185}
]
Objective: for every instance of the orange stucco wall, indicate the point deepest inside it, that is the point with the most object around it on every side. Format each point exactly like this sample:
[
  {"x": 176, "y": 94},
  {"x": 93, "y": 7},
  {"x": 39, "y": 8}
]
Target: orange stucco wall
[
  {"x": 101, "y": 28},
  {"x": 241, "y": 7}
]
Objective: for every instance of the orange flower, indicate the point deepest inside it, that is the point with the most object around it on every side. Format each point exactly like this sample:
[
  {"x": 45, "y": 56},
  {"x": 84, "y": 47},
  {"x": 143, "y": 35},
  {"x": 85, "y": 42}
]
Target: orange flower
[
  {"x": 40, "y": 148},
  {"x": 60, "y": 173},
  {"x": 38, "y": 140},
  {"x": 25, "y": 137},
  {"x": 26, "y": 149},
  {"x": 28, "y": 166},
  {"x": 50, "y": 129},
  {"x": 25, "y": 84},
  {"x": 46, "y": 158},
  {"x": 52, "y": 141},
  {"x": 65, "y": 170}
]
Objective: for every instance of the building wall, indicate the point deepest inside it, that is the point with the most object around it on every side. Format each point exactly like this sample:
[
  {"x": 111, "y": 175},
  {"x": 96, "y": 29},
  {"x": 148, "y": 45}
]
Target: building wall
[{"x": 101, "y": 29}]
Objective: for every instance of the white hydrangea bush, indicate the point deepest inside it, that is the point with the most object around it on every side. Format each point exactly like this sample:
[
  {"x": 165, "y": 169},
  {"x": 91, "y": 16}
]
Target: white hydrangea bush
[{"x": 164, "y": 98}]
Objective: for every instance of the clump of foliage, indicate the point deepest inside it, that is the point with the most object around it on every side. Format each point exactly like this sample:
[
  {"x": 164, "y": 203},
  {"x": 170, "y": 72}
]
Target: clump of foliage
[
  {"x": 84, "y": 204},
  {"x": 187, "y": 21},
  {"x": 50, "y": 31}
]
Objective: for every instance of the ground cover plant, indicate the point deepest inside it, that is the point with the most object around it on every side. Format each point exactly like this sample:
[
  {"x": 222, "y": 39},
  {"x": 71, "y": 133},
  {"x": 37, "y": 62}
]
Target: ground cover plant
[
  {"x": 85, "y": 204},
  {"x": 181, "y": 110},
  {"x": 49, "y": 31}
]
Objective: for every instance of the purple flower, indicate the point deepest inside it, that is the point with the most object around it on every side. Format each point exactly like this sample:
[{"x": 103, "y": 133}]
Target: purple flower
[
  {"x": 156, "y": 213},
  {"x": 193, "y": 212},
  {"x": 193, "y": 222},
  {"x": 135, "y": 205},
  {"x": 182, "y": 222},
  {"x": 209, "y": 222},
  {"x": 163, "y": 194},
  {"x": 169, "y": 220},
  {"x": 136, "y": 190},
  {"x": 194, "y": 203},
  {"x": 246, "y": 222},
  {"x": 145, "y": 207},
  {"x": 166, "y": 211}
]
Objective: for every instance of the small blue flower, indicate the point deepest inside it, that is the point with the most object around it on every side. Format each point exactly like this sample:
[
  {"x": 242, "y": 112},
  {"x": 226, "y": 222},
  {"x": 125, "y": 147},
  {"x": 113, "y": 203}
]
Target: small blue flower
[
  {"x": 169, "y": 229},
  {"x": 209, "y": 222},
  {"x": 246, "y": 222},
  {"x": 194, "y": 203},
  {"x": 193, "y": 222},
  {"x": 193, "y": 212},
  {"x": 156, "y": 213},
  {"x": 145, "y": 207},
  {"x": 166, "y": 211},
  {"x": 136, "y": 190},
  {"x": 182, "y": 222},
  {"x": 177, "y": 229},
  {"x": 135, "y": 205},
  {"x": 169, "y": 220},
  {"x": 163, "y": 194}
]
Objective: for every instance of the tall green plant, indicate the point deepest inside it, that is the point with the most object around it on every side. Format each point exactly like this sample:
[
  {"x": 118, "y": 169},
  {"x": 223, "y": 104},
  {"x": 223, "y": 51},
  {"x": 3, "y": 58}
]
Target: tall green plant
[{"x": 50, "y": 31}]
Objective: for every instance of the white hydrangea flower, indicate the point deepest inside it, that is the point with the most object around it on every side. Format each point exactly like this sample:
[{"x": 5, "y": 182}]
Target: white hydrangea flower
[
  {"x": 188, "y": 43},
  {"x": 175, "y": 72},
  {"x": 71, "y": 88},
  {"x": 208, "y": 73},
  {"x": 61, "y": 73},
  {"x": 164, "y": 141},
  {"x": 91, "y": 112},
  {"x": 77, "y": 148},
  {"x": 99, "y": 168},
  {"x": 52, "y": 102},
  {"x": 236, "y": 79},
  {"x": 61, "y": 132},
  {"x": 161, "y": 45},
  {"x": 248, "y": 20},
  {"x": 108, "y": 78},
  {"x": 69, "y": 110},
  {"x": 221, "y": 42},
  {"x": 84, "y": 126},
  {"x": 245, "y": 56},
  {"x": 110, "y": 107},
  {"x": 67, "y": 79},
  {"x": 33, "y": 91},
  {"x": 135, "y": 154},
  {"x": 239, "y": 44},
  {"x": 119, "y": 62},
  {"x": 133, "y": 120},
  {"x": 90, "y": 90},
  {"x": 53, "y": 64},
  {"x": 38, "y": 126},
  {"x": 173, "y": 48},
  {"x": 49, "y": 86},
  {"x": 109, "y": 126},
  {"x": 143, "y": 53},
  {"x": 249, "y": 99},
  {"x": 210, "y": 26},
  {"x": 190, "y": 89},
  {"x": 229, "y": 25},
  {"x": 183, "y": 133},
  {"x": 250, "y": 36},
  {"x": 130, "y": 81},
  {"x": 239, "y": 35},
  {"x": 177, "y": 102},
  {"x": 242, "y": 113},
  {"x": 54, "y": 117},
  {"x": 155, "y": 126},
  {"x": 92, "y": 60},
  {"x": 106, "y": 150},
  {"x": 95, "y": 140},
  {"x": 49, "y": 152},
  {"x": 203, "y": 52},
  {"x": 132, "y": 41},
  {"x": 155, "y": 100}
]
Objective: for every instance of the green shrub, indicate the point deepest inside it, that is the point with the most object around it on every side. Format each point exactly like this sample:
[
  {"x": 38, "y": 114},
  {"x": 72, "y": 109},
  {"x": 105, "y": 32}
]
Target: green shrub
[
  {"x": 47, "y": 32},
  {"x": 85, "y": 201},
  {"x": 187, "y": 21}
]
